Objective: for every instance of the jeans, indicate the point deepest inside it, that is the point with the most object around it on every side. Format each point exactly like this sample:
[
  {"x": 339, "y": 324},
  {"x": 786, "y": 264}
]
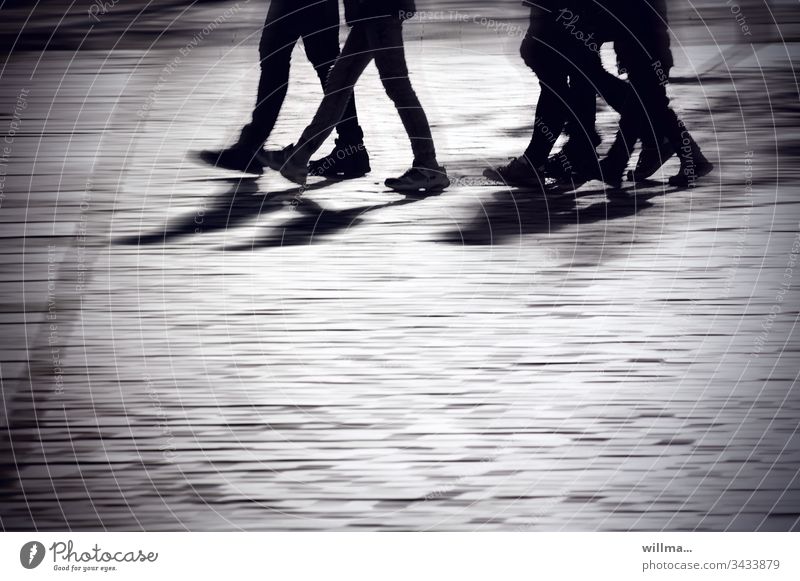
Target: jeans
[
  {"x": 380, "y": 39},
  {"x": 317, "y": 23}
]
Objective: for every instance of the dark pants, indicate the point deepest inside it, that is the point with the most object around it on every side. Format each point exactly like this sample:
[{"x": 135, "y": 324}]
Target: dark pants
[
  {"x": 655, "y": 120},
  {"x": 317, "y": 23},
  {"x": 380, "y": 39},
  {"x": 570, "y": 76}
]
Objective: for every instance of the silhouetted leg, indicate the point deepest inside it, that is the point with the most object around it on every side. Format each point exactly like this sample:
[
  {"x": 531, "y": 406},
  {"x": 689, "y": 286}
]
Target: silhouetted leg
[
  {"x": 278, "y": 39},
  {"x": 581, "y": 120},
  {"x": 322, "y": 49},
  {"x": 355, "y": 57},
  {"x": 386, "y": 42},
  {"x": 541, "y": 54}
]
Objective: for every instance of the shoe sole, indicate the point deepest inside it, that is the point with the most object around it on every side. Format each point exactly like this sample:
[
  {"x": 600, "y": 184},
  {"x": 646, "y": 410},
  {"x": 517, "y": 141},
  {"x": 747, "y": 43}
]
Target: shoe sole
[
  {"x": 294, "y": 178},
  {"x": 682, "y": 181},
  {"x": 268, "y": 163},
  {"x": 419, "y": 190},
  {"x": 341, "y": 176},
  {"x": 639, "y": 176},
  {"x": 493, "y": 175},
  {"x": 214, "y": 162}
]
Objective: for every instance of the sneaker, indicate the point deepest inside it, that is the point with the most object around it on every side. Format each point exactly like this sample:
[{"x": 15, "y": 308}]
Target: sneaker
[
  {"x": 345, "y": 162},
  {"x": 518, "y": 172},
  {"x": 419, "y": 179},
  {"x": 234, "y": 158},
  {"x": 650, "y": 161}
]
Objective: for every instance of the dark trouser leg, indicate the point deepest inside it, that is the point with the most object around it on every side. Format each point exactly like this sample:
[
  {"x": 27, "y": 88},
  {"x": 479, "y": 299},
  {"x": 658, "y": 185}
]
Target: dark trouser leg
[
  {"x": 623, "y": 98},
  {"x": 322, "y": 49},
  {"x": 582, "y": 120},
  {"x": 386, "y": 42},
  {"x": 551, "y": 109},
  {"x": 281, "y": 32},
  {"x": 338, "y": 92},
  {"x": 551, "y": 115}
]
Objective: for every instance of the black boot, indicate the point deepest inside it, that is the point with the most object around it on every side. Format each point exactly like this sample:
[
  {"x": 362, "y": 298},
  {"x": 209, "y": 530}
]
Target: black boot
[
  {"x": 345, "y": 162},
  {"x": 651, "y": 159},
  {"x": 694, "y": 164},
  {"x": 238, "y": 157},
  {"x": 612, "y": 167}
]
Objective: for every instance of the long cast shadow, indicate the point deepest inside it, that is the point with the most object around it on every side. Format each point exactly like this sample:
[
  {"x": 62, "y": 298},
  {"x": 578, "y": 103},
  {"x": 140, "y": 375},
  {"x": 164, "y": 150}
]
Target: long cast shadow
[
  {"x": 313, "y": 224},
  {"x": 511, "y": 214},
  {"x": 310, "y": 224},
  {"x": 238, "y": 204}
]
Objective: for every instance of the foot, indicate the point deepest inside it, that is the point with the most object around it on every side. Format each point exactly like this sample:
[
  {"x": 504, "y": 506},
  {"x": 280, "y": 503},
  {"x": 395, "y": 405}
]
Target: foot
[
  {"x": 285, "y": 162},
  {"x": 518, "y": 172},
  {"x": 692, "y": 169},
  {"x": 275, "y": 159},
  {"x": 235, "y": 158},
  {"x": 611, "y": 172},
  {"x": 419, "y": 179},
  {"x": 650, "y": 161},
  {"x": 577, "y": 158},
  {"x": 345, "y": 162},
  {"x": 573, "y": 169}
]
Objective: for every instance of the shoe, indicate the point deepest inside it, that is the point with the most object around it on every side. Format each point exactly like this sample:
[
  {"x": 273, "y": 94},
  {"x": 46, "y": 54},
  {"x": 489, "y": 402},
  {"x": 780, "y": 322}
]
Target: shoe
[
  {"x": 234, "y": 158},
  {"x": 650, "y": 161},
  {"x": 345, "y": 162},
  {"x": 285, "y": 162},
  {"x": 275, "y": 159},
  {"x": 295, "y": 171},
  {"x": 574, "y": 169},
  {"x": 577, "y": 158},
  {"x": 518, "y": 172},
  {"x": 420, "y": 179},
  {"x": 611, "y": 172},
  {"x": 693, "y": 166}
]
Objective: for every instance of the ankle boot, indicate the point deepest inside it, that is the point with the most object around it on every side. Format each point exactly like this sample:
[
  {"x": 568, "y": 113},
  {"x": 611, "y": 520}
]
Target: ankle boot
[{"x": 694, "y": 164}]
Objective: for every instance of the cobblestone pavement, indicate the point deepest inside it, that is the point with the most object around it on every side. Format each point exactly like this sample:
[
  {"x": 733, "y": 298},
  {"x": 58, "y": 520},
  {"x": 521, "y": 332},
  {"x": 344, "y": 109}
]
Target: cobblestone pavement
[{"x": 185, "y": 349}]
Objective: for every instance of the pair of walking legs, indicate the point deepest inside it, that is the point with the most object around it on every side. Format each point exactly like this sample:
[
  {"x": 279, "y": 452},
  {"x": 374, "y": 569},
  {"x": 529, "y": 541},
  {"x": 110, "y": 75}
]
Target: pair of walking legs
[
  {"x": 657, "y": 125},
  {"x": 570, "y": 74},
  {"x": 381, "y": 40},
  {"x": 317, "y": 23}
]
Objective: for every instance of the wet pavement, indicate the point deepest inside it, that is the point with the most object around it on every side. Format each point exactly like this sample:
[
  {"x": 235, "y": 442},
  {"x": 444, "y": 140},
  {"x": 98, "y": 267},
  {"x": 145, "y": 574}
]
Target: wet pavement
[{"x": 189, "y": 349}]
